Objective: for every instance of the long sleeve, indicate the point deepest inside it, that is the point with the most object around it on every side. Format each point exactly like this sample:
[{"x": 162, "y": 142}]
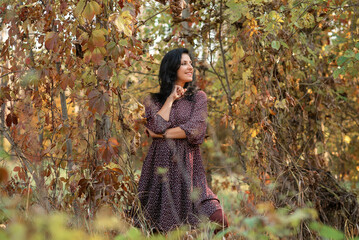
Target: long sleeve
[
  {"x": 195, "y": 127},
  {"x": 154, "y": 121}
]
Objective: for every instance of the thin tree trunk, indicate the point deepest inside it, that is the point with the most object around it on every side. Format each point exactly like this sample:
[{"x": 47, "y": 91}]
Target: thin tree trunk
[
  {"x": 228, "y": 92},
  {"x": 65, "y": 118},
  {"x": 2, "y": 117},
  {"x": 37, "y": 171}
]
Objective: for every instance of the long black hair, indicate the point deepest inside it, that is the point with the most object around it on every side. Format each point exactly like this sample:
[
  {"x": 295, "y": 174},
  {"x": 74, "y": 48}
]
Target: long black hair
[{"x": 167, "y": 76}]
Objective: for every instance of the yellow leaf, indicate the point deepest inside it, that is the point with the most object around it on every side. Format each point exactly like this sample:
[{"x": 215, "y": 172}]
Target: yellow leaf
[
  {"x": 104, "y": 31},
  {"x": 237, "y": 95},
  {"x": 127, "y": 16},
  {"x": 240, "y": 52},
  {"x": 246, "y": 74},
  {"x": 254, "y": 90},
  {"x": 281, "y": 104},
  {"x": 103, "y": 50},
  {"x": 88, "y": 12},
  {"x": 254, "y": 132},
  {"x": 98, "y": 38},
  {"x": 96, "y": 7},
  {"x": 347, "y": 139},
  {"x": 79, "y": 8},
  {"x": 122, "y": 22}
]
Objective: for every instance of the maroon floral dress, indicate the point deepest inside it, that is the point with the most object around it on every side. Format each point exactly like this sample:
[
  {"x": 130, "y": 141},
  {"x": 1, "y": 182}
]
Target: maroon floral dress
[{"x": 173, "y": 188}]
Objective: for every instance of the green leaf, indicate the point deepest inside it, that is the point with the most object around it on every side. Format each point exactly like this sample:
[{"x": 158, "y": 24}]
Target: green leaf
[
  {"x": 252, "y": 221},
  {"x": 134, "y": 234},
  {"x": 327, "y": 231},
  {"x": 4, "y": 154},
  {"x": 281, "y": 104},
  {"x": 357, "y": 45},
  {"x": 357, "y": 56},
  {"x": 341, "y": 60},
  {"x": 349, "y": 54},
  {"x": 337, "y": 72},
  {"x": 307, "y": 60},
  {"x": 284, "y": 44},
  {"x": 32, "y": 77},
  {"x": 234, "y": 10},
  {"x": 275, "y": 45},
  {"x": 123, "y": 42},
  {"x": 110, "y": 45},
  {"x": 320, "y": 147}
]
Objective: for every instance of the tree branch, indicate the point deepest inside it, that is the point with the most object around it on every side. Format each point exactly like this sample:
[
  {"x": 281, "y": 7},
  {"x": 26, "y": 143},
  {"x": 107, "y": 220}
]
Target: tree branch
[
  {"x": 154, "y": 15},
  {"x": 142, "y": 73},
  {"x": 10, "y": 73}
]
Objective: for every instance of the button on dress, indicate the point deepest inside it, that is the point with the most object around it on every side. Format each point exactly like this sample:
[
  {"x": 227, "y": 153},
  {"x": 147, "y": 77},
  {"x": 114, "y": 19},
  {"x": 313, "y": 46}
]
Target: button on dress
[{"x": 173, "y": 188}]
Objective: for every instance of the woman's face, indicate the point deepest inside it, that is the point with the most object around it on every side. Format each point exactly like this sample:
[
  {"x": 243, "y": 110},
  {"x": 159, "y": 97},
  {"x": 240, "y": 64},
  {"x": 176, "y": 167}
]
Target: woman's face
[{"x": 185, "y": 72}]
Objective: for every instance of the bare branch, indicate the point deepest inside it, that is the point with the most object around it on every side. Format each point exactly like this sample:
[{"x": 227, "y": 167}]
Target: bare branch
[{"x": 154, "y": 15}]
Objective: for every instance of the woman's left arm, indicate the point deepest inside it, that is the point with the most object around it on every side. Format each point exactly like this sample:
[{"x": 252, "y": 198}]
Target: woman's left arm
[
  {"x": 175, "y": 133},
  {"x": 195, "y": 127}
]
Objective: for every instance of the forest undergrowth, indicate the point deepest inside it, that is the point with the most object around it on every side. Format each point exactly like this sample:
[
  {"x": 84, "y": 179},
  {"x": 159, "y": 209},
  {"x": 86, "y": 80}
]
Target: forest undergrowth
[{"x": 22, "y": 217}]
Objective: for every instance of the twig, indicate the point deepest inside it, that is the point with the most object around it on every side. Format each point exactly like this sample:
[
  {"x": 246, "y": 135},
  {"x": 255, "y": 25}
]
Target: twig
[
  {"x": 10, "y": 73},
  {"x": 154, "y": 15},
  {"x": 229, "y": 95},
  {"x": 142, "y": 73}
]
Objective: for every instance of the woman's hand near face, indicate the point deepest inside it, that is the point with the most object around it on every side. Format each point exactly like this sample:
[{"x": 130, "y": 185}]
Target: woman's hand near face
[{"x": 177, "y": 92}]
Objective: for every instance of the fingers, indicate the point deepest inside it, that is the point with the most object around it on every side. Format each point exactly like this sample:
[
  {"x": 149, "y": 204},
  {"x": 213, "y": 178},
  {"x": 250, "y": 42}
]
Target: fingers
[
  {"x": 150, "y": 133},
  {"x": 179, "y": 91}
]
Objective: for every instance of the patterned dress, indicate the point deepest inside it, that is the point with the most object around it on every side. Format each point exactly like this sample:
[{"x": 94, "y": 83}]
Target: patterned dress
[{"x": 173, "y": 188}]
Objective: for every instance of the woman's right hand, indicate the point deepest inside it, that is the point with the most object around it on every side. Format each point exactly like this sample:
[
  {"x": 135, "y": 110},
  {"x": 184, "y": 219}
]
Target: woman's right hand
[
  {"x": 177, "y": 92},
  {"x": 152, "y": 134}
]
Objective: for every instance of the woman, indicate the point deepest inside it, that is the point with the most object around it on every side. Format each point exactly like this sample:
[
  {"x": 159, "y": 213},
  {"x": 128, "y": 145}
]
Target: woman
[{"x": 173, "y": 188}]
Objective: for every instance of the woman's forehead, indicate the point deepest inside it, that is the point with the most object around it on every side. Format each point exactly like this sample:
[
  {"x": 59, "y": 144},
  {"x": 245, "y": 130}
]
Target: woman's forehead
[{"x": 185, "y": 57}]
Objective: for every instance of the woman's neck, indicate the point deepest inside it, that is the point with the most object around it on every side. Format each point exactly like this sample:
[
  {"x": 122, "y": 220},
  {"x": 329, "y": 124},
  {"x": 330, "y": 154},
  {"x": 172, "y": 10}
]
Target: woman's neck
[{"x": 180, "y": 83}]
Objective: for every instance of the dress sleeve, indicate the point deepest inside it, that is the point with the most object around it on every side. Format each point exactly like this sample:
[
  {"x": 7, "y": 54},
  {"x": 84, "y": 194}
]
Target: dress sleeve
[
  {"x": 154, "y": 121},
  {"x": 195, "y": 127}
]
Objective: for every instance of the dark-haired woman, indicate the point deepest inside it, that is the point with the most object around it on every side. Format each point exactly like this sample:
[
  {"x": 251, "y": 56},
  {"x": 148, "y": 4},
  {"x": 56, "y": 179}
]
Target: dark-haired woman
[{"x": 173, "y": 188}]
